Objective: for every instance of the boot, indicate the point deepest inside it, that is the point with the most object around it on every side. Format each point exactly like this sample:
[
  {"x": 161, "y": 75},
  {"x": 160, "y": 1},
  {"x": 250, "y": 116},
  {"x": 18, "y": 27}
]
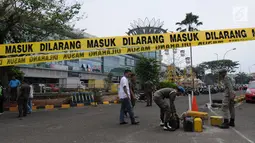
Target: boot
[
  {"x": 167, "y": 127},
  {"x": 225, "y": 124},
  {"x": 232, "y": 122}
]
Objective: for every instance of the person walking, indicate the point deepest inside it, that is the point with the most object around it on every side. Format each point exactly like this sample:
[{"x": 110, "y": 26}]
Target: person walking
[
  {"x": 228, "y": 102},
  {"x": 125, "y": 99},
  {"x": 2, "y": 97},
  {"x": 13, "y": 85},
  {"x": 30, "y": 98},
  {"x": 148, "y": 88},
  {"x": 22, "y": 99},
  {"x": 167, "y": 110}
]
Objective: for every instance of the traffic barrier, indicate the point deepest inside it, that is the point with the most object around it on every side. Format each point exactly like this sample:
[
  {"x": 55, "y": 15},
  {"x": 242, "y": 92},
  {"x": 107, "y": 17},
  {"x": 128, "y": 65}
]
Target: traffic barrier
[
  {"x": 216, "y": 120},
  {"x": 34, "y": 107},
  {"x": 106, "y": 102},
  {"x": 82, "y": 98},
  {"x": 13, "y": 109},
  {"x": 196, "y": 114},
  {"x": 65, "y": 106},
  {"x": 49, "y": 107}
]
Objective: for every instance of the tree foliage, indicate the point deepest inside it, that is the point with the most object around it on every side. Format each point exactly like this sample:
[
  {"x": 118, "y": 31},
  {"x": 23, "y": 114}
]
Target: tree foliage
[
  {"x": 242, "y": 78},
  {"x": 36, "y": 20},
  {"x": 190, "y": 23},
  {"x": 148, "y": 69},
  {"x": 214, "y": 66}
]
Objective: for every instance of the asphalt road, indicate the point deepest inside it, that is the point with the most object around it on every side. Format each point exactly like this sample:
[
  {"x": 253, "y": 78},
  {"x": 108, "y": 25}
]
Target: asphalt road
[{"x": 100, "y": 125}]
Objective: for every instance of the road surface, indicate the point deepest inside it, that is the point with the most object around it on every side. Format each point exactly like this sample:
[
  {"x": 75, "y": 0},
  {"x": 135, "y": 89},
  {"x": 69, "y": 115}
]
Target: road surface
[{"x": 100, "y": 125}]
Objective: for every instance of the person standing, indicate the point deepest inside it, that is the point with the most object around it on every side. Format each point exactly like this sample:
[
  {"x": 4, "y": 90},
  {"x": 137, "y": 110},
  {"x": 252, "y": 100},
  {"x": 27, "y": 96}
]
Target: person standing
[
  {"x": 228, "y": 102},
  {"x": 167, "y": 110},
  {"x": 1, "y": 98},
  {"x": 30, "y": 98},
  {"x": 22, "y": 99},
  {"x": 125, "y": 99},
  {"x": 13, "y": 85},
  {"x": 148, "y": 88}
]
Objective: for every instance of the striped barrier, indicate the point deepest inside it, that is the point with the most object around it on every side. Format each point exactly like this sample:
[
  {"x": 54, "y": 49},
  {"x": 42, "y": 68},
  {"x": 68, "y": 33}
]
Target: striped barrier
[
  {"x": 218, "y": 103},
  {"x": 78, "y": 99}
]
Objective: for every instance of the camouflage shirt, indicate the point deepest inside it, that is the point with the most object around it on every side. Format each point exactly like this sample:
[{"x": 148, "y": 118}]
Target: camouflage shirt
[
  {"x": 229, "y": 85},
  {"x": 148, "y": 86},
  {"x": 168, "y": 93}
]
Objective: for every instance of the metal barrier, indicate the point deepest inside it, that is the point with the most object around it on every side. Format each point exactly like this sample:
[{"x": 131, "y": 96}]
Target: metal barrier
[{"x": 82, "y": 97}]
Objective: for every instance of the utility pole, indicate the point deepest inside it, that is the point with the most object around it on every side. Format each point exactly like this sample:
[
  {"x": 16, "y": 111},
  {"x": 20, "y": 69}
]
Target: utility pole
[{"x": 173, "y": 66}]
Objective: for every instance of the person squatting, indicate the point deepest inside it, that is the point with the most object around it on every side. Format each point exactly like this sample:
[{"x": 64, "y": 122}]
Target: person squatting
[{"x": 168, "y": 115}]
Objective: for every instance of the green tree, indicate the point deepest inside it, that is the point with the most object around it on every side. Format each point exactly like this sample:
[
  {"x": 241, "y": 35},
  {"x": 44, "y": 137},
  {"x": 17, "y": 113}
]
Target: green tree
[
  {"x": 190, "y": 23},
  {"x": 242, "y": 78},
  {"x": 148, "y": 69},
  {"x": 214, "y": 66},
  {"x": 108, "y": 82},
  {"x": 36, "y": 20}
]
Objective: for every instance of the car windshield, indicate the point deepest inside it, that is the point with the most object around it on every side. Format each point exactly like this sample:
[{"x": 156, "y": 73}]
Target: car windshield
[{"x": 251, "y": 85}]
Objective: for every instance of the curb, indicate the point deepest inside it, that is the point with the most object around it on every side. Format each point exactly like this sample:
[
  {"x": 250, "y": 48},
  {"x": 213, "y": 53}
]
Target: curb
[{"x": 63, "y": 106}]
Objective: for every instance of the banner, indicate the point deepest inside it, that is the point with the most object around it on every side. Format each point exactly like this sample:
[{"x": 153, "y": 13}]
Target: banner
[
  {"x": 227, "y": 35},
  {"x": 99, "y": 53}
]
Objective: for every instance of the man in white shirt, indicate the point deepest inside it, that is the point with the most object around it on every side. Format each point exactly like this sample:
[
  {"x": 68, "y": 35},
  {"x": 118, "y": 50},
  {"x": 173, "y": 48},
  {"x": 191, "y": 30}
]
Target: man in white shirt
[{"x": 125, "y": 99}]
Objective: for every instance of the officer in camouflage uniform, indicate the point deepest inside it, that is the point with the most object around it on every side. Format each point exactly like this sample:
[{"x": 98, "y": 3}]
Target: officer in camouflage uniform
[
  {"x": 167, "y": 112},
  {"x": 149, "y": 88},
  {"x": 228, "y": 103}
]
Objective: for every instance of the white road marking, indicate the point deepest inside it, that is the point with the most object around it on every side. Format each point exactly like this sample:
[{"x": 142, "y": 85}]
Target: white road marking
[
  {"x": 194, "y": 140},
  {"x": 219, "y": 140},
  {"x": 236, "y": 131}
]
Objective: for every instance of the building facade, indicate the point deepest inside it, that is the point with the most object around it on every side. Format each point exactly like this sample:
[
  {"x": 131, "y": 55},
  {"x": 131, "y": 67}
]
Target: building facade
[{"x": 74, "y": 71}]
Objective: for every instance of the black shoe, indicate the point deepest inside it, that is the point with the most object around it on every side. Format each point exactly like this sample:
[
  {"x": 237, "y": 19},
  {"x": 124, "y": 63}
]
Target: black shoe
[
  {"x": 232, "y": 123},
  {"x": 123, "y": 123},
  {"x": 135, "y": 123},
  {"x": 225, "y": 124},
  {"x": 135, "y": 116}
]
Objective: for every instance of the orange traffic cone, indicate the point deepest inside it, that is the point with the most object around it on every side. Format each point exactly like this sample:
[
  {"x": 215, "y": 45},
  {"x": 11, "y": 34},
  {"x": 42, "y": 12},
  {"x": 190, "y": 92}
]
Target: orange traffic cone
[{"x": 194, "y": 104}]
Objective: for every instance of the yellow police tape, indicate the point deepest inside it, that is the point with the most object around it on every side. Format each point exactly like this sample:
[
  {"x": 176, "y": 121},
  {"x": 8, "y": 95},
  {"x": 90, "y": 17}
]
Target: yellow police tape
[
  {"x": 128, "y": 41},
  {"x": 99, "y": 53}
]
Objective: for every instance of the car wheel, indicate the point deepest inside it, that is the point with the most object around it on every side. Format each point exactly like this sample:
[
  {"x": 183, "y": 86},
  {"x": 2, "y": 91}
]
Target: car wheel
[{"x": 247, "y": 101}]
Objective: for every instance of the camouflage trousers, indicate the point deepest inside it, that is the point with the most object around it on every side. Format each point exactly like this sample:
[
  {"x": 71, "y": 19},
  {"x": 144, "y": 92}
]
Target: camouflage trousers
[
  {"x": 165, "y": 112},
  {"x": 228, "y": 107}
]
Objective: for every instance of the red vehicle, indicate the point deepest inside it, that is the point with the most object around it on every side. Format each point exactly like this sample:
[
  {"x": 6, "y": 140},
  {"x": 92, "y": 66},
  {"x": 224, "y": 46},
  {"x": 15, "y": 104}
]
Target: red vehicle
[{"x": 250, "y": 92}]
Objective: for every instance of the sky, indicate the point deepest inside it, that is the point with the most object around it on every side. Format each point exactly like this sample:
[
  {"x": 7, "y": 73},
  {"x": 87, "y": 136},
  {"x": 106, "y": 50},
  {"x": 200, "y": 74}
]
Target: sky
[{"x": 113, "y": 17}]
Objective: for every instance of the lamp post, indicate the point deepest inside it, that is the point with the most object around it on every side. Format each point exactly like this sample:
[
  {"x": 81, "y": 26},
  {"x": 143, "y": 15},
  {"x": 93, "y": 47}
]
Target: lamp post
[{"x": 227, "y": 52}]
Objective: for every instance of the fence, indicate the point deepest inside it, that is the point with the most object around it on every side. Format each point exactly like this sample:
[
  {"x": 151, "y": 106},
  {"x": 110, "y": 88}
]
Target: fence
[{"x": 82, "y": 97}]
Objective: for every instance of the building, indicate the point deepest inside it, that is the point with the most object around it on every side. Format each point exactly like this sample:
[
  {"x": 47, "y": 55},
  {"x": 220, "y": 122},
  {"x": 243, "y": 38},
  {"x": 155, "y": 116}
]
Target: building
[{"x": 71, "y": 73}]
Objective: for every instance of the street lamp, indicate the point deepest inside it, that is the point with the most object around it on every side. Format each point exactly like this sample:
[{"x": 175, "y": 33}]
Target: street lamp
[
  {"x": 228, "y": 51},
  {"x": 217, "y": 56}
]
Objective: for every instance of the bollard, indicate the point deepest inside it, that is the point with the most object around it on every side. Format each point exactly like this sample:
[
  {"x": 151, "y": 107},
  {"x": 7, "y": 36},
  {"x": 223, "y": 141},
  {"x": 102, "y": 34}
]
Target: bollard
[{"x": 210, "y": 95}]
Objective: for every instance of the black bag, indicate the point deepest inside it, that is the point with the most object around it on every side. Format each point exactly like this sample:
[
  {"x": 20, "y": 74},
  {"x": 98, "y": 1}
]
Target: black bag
[
  {"x": 188, "y": 124},
  {"x": 175, "y": 122}
]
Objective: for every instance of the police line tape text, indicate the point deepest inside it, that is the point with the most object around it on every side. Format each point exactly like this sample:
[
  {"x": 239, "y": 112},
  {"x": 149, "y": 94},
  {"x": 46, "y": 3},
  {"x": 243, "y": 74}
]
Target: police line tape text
[{"x": 127, "y": 41}]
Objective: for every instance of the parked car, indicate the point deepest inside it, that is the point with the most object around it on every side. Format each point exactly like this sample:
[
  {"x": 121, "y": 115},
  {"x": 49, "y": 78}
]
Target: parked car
[{"x": 250, "y": 92}]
